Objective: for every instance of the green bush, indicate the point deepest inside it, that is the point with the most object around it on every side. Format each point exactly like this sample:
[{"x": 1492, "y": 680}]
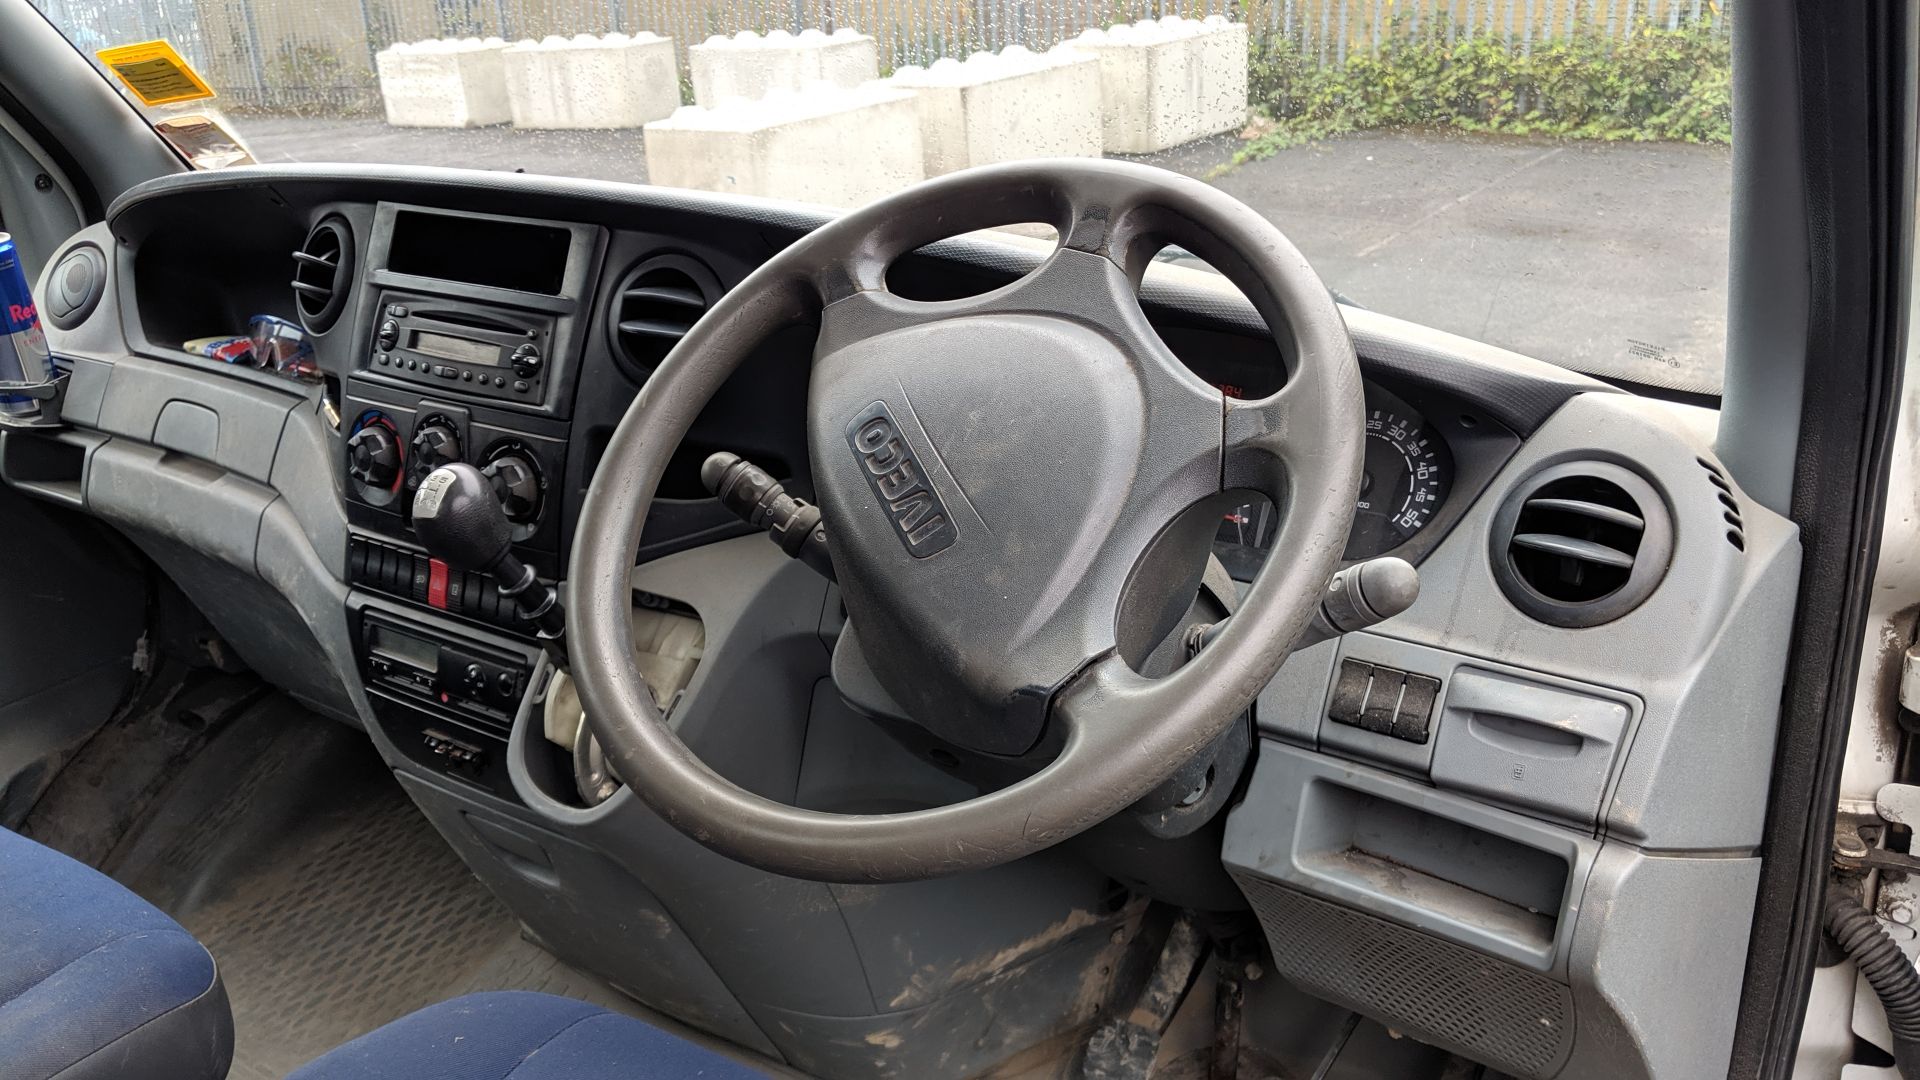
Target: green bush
[{"x": 1650, "y": 84}]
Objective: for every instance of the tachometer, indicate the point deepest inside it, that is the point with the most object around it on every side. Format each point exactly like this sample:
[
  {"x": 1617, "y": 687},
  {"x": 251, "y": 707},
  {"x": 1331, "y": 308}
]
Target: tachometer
[{"x": 1408, "y": 473}]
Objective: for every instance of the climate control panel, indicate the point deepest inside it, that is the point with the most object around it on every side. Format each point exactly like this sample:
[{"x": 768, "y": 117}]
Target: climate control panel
[{"x": 395, "y": 439}]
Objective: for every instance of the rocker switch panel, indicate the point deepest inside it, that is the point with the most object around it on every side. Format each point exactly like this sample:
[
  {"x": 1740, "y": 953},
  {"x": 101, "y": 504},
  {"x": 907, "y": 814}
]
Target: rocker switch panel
[{"x": 1383, "y": 700}]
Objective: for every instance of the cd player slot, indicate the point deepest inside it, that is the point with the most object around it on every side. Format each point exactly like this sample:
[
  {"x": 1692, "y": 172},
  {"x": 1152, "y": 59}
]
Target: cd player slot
[
  {"x": 469, "y": 320},
  {"x": 463, "y": 348}
]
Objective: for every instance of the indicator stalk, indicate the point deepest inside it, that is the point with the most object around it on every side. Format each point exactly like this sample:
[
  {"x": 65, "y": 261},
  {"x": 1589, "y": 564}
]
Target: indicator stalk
[{"x": 761, "y": 501}]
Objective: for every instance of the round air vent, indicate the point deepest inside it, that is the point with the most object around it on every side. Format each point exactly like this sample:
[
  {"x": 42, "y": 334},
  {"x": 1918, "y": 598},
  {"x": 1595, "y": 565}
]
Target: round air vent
[
  {"x": 323, "y": 274},
  {"x": 1581, "y": 544},
  {"x": 657, "y": 302}
]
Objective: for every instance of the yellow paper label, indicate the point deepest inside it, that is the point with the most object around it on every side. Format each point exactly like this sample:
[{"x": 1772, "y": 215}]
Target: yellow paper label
[{"x": 155, "y": 73}]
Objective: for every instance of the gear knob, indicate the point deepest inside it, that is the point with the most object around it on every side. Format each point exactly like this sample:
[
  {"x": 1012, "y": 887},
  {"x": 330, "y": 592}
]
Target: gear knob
[{"x": 460, "y": 520}]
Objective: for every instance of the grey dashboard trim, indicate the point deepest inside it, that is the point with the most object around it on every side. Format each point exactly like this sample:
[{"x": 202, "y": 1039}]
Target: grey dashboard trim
[
  {"x": 234, "y": 426},
  {"x": 1705, "y": 652},
  {"x": 1517, "y": 391}
]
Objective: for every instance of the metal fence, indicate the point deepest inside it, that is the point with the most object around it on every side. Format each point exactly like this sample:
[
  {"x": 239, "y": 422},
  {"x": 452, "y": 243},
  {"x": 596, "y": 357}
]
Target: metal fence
[
  {"x": 317, "y": 55},
  {"x": 1328, "y": 29}
]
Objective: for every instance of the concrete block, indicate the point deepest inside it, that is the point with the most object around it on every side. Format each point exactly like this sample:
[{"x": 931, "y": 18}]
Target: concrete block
[
  {"x": 1169, "y": 81},
  {"x": 450, "y": 84},
  {"x": 584, "y": 81},
  {"x": 750, "y": 67},
  {"x": 1017, "y": 104},
  {"x": 1220, "y": 61},
  {"x": 826, "y": 144}
]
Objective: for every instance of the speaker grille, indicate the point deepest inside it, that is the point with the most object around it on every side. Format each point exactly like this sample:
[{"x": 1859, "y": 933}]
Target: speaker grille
[{"x": 1493, "y": 1012}]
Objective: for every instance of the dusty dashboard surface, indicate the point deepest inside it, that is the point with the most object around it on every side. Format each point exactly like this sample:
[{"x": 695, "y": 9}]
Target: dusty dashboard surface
[{"x": 1456, "y": 786}]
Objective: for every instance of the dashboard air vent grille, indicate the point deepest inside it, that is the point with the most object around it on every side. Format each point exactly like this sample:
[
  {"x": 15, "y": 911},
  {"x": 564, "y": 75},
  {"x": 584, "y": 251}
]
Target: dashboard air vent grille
[
  {"x": 1729, "y": 506},
  {"x": 657, "y": 302},
  {"x": 1581, "y": 544},
  {"x": 323, "y": 274}
]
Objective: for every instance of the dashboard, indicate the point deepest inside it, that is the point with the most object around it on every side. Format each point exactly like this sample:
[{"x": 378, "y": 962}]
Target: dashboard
[
  {"x": 1566, "y": 714},
  {"x": 515, "y": 342}
]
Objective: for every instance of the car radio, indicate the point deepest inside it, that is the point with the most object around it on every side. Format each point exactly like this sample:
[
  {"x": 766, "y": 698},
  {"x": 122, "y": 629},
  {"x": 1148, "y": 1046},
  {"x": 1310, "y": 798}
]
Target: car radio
[{"x": 462, "y": 347}]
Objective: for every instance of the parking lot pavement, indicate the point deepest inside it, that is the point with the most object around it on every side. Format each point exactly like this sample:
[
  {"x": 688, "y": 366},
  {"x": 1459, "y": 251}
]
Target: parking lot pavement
[{"x": 1609, "y": 256}]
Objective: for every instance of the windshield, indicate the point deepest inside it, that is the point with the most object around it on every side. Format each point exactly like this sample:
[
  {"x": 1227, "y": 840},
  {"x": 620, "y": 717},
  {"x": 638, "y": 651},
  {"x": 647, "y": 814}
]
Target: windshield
[{"x": 1550, "y": 176}]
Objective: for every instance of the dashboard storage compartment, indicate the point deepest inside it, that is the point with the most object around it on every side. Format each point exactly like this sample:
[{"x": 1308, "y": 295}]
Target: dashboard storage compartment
[
  {"x": 1370, "y": 886},
  {"x": 1397, "y": 856},
  {"x": 52, "y": 464},
  {"x": 1527, "y": 744}
]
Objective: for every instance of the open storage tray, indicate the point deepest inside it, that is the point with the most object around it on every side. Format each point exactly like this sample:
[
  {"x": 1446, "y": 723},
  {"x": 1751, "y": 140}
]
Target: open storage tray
[{"x": 1500, "y": 883}]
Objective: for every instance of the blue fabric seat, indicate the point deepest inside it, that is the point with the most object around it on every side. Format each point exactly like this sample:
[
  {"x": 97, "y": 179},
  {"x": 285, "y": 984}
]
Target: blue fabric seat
[
  {"x": 96, "y": 983},
  {"x": 517, "y": 1035}
]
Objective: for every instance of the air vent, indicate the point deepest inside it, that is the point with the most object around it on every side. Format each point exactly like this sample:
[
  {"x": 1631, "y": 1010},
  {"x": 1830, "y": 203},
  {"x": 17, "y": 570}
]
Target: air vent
[
  {"x": 323, "y": 274},
  {"x": 1729, "y": 506},
  {"x": 1581, "y": 544},
  {"x": 657, "y": 302}
]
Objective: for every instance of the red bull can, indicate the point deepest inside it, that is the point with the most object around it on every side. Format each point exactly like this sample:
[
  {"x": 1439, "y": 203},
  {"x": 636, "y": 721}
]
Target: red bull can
[{"x": 23, "y": 348}]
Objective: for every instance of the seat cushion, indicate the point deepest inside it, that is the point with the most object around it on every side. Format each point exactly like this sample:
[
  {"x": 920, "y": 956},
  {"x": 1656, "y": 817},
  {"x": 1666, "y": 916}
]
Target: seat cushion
[
  {"x": 96, "y": 982},
  {"x": 516, "y": 1035}
]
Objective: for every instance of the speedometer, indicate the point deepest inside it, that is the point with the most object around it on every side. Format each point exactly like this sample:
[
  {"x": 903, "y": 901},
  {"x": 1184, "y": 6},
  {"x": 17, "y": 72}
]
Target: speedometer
[{"x": 1408, "y": 473}]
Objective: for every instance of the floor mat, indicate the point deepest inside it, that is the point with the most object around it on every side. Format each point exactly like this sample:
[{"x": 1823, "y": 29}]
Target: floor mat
[
  {"x": 330, "y": 903},
  {"x": 351, "y": 929}
]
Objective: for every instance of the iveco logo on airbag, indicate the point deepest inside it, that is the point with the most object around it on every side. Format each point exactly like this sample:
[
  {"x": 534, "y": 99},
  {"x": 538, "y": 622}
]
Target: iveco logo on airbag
[{"x": 914, "y": 508}]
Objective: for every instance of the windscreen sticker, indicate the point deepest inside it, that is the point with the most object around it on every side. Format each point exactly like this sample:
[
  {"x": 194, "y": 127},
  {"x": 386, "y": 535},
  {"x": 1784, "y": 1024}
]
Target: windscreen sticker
[{"x": 155, "y": 73}]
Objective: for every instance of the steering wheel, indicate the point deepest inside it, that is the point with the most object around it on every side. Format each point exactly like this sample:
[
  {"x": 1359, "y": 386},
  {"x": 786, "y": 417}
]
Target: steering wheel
[{"x": 1002, "y": 478}]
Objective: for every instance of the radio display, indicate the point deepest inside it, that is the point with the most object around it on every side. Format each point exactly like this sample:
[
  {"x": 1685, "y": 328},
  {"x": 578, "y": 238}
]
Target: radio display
[{"x": 449, "y": 347}]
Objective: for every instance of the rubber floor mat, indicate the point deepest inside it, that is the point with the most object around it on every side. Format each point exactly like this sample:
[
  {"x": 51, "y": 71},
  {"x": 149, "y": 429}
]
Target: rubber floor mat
[
  {"x": 328, "y": 900},
  {"x": 369, "y": 922},
  {"x": 359, "y": 926},
  {"x": 285, "y": 844}
]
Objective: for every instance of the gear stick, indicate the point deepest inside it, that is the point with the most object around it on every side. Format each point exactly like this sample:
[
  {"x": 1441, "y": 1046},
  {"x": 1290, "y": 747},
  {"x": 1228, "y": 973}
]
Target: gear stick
[{"x": 459, "y": 519}]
